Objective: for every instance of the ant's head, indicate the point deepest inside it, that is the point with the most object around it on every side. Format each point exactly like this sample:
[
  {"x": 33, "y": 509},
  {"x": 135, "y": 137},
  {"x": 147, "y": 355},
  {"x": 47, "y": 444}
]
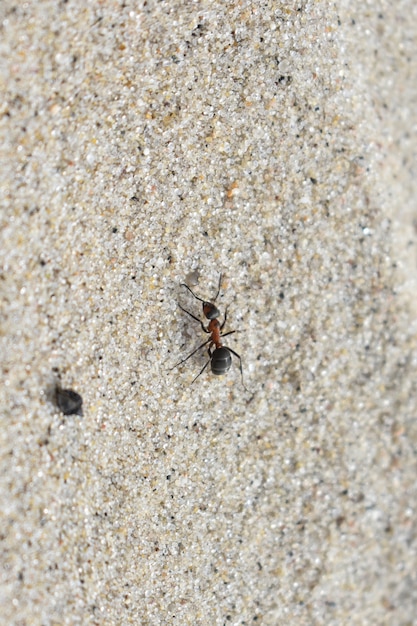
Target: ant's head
[{"x": 210, "y": 311}]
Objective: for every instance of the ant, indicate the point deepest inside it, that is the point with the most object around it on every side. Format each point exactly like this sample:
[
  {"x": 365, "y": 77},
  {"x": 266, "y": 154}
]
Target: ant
[{"x": 220, "y": 358}]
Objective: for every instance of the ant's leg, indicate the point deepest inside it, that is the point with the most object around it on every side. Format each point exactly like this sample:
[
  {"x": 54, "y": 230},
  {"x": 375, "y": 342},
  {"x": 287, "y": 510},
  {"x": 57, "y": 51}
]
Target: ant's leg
[
  {"x": 230, "y": 332},
  {"x": 194, "y": 318},
  {"x": 240, "y": 367},
  {"x": 209, "y": 361},
  {"x": 190, "y": 355},
  {"x": 224, "y": 322},
  {"x": 225, "y": 318},
  {"x": 200, "y": 372}
]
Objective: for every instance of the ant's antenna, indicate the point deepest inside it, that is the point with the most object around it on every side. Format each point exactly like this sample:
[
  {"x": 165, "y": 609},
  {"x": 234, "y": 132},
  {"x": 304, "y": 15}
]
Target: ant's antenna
[{"x": 201, "y": 300}]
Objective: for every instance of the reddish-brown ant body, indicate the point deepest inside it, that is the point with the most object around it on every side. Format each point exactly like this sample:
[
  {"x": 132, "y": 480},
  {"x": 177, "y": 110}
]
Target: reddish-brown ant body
[{"x": 220, "y": 358}]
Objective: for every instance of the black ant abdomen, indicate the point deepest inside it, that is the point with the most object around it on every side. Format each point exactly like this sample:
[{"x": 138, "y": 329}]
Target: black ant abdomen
[{"x": 221, "y": 361}]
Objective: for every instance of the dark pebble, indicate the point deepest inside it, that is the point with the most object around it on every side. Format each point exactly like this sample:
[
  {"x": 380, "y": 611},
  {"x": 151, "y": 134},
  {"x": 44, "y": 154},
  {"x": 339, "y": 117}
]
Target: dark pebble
[{"x": 68, "y": 401}]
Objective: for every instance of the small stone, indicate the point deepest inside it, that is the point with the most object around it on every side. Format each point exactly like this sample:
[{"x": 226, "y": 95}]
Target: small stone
[{"x": 68, "y": 401}]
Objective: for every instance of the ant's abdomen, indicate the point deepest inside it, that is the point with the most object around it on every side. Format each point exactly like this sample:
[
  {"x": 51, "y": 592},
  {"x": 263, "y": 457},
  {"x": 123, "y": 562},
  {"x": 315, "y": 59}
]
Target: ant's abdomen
[{"x": 221, "y": 361}]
